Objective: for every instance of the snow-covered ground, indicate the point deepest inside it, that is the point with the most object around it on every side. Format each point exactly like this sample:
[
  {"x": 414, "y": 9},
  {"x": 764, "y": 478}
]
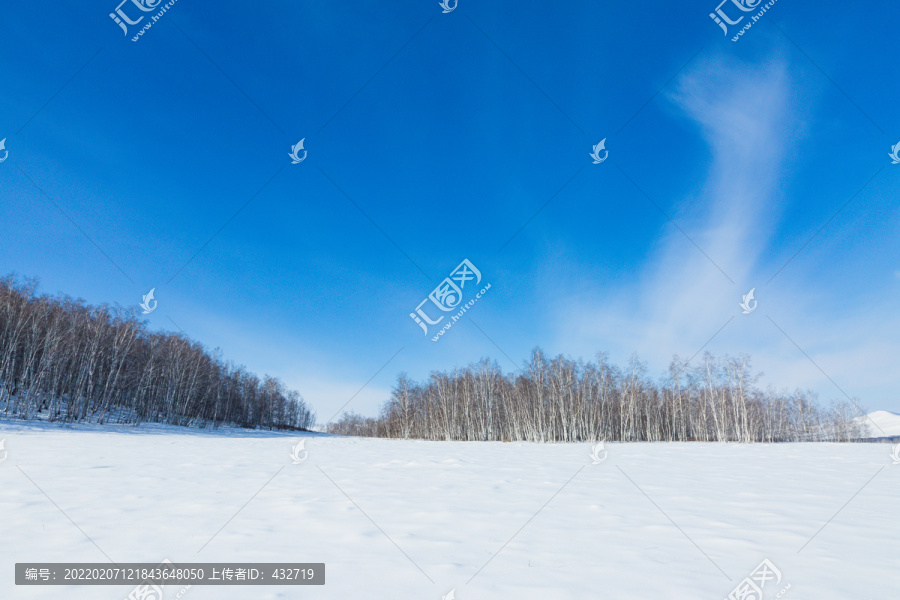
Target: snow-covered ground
[{"x": 413, "y": 520}]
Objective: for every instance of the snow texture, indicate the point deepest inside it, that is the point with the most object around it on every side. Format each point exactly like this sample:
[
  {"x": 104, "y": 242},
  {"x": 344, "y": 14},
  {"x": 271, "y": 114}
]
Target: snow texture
[{"x": 412, "y": 519}]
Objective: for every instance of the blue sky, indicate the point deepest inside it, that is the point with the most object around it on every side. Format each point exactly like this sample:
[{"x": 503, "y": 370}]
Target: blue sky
[{"x": 433, "y": 138}]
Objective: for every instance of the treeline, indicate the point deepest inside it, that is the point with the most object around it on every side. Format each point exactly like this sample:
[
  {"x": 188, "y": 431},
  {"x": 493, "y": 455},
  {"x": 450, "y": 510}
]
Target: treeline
[
  {"x": 71, "y": 362},
  {"x": 564, "y": 400}
]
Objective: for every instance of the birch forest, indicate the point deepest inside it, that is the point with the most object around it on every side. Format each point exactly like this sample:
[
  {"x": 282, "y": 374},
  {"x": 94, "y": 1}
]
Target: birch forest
[
  {"x": 66, "y": 361},
  {"x": 564, "y": 400}
]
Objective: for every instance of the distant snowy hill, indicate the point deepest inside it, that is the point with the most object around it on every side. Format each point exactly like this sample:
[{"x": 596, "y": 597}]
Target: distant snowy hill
[{"x": 888, "y": 423}]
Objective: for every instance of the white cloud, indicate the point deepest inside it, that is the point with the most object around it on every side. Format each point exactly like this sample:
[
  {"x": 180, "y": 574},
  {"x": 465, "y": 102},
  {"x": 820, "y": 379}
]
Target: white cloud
[{"x": 679, "y": 300}]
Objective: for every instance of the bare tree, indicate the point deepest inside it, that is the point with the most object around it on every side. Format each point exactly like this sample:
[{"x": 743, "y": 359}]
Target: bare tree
[
  {"x": 561, "y": 399},
  {"x": 74, "y": 362}
]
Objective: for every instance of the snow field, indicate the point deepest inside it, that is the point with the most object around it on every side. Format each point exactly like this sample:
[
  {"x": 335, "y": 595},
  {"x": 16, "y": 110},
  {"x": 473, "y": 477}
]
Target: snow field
[{"x": 413, "y": 519}]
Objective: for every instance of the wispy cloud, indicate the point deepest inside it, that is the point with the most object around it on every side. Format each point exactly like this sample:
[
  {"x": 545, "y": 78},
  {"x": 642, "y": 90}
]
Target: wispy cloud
[{"x": 680, "y": 299}]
